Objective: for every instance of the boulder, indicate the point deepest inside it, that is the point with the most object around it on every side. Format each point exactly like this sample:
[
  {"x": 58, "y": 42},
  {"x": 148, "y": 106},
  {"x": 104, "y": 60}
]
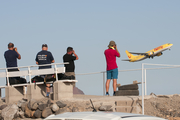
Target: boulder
[
  {"x": 33, "y": 104},
  {"x": 3, "y": 106},
  {"x": 20, "y": 102},
  {"x": 9, "y": 112},
  {"x": 106, "y": 108},
  {"x": 49, "y": 103},
  {"x": 23, "y": 106},
  {"x": 62, "y": 110},
  {"x": 55, "y": 107},
  {"x": 46, "y": 112},
  {"x": 42, "y": 106},
  {"x": 60, "y": 104},
  {"x": 38, "y": 113},
  {"x": 75, "y": 109},
  {"x": 20, "y": 114},
  {"x": 27, "y": 112}
]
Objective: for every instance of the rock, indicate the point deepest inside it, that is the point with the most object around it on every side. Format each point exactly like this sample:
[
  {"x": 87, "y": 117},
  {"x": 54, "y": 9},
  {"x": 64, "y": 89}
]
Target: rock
[
  {"x": 33, "y": 104},
  {"x": 38, "y": 113},
  {"x": 32, "y": 114},
  {"x": 20, "y": 114},
  {"x": 46, "y": 112},
  {"x": 27, "y": 112},
  {"x": 61, "y": 110},
  {"x": 60, "y": 104},
  {"x": 75, "y": 109},
  {"x": 42, "y": 106},
  {"x": 44, "y": 101},
  {"x": 153, "y": 95},
  {"x": 106, "y": 108},
  {"x": 177, "y": 115},
  {"x": 3, "y": 106},
  {"x": 49, "y": 103},
  {"x": 162, "y": 96},
  {"x": 20, "y": 102},
  {"x": 9, "y": 112},
  {"x": 23, "y": 106},
  {"x": 55, "y": 107}
]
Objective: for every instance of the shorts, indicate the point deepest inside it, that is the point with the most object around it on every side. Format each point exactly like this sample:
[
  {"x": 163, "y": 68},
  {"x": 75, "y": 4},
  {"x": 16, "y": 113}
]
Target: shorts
[{"x": 112, "y": 74}]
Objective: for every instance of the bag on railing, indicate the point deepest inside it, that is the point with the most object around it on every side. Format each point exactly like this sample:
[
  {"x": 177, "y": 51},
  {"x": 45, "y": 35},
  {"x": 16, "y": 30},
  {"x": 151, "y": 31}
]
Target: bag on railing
[
  {"x": 47, "y": 78},
  {"x": 65, "y": 77},
  {"x": 37, "y": 79},
  {"x": 17, "y": 80}
]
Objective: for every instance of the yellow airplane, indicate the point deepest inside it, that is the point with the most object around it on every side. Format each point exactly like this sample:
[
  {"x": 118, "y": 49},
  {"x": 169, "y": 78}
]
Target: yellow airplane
[{"x": 149, "y": 54}]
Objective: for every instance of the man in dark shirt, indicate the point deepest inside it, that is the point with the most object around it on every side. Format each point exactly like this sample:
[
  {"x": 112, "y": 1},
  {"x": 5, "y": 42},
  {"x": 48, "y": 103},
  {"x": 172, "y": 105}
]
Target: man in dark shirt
[
  {"x": 70, "y": 56},
  {"x": 44, "y": 57},
  {"x": 11, "y": 57}
]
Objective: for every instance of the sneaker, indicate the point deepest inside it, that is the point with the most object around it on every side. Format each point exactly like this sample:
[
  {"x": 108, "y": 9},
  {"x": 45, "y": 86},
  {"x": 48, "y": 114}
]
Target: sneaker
[
  {"x": 107, "y": 94},
  {"x": 114, "y": 94}
]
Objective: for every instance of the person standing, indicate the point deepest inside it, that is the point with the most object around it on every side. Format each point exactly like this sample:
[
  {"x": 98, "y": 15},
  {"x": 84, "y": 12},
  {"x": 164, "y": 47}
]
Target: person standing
[
  {"x": 112, "y": 69},
  {"x": 70, "y": 57},
  {"x": 45, "y": 57},
  {"x": 11, "y": 56}
]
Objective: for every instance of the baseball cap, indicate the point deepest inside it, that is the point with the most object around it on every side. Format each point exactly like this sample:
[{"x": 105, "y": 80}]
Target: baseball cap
[
  {"x": 111, "y": 43},
  {"x": 44, "y": 45}
]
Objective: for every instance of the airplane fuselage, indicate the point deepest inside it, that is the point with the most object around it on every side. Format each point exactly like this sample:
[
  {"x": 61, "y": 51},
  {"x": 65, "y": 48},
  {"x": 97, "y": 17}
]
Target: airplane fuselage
[{"x": 149, "y": 54}]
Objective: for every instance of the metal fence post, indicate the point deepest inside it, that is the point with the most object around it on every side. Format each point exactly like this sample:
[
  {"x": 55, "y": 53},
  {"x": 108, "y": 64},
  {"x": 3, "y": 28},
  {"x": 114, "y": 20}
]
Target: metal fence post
[
  {"x": 145, "y": 84},
  {"x": 142, "y": 89},
  {"x": 103, "y": 83}
]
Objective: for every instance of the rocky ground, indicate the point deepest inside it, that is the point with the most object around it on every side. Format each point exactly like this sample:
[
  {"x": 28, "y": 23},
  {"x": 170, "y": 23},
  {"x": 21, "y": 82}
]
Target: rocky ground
[
  {"x": 156, "y": 105},
  {"x": 163, "y": 106}
]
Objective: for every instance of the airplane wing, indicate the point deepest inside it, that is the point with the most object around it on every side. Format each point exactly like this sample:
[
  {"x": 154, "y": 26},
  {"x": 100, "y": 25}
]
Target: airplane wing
[
  {"x": 126, "y": 60},
  {"x": 139, "y": 53}
]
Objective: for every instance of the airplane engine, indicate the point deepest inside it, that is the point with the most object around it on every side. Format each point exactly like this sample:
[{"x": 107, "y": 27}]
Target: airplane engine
[
  {"x": 159, "y": 54},
  {"x": 151, "y": 54}
]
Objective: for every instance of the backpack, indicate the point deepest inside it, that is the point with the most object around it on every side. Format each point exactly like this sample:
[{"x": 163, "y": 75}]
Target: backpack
[
  {"x": 17, "y": 80},
  {"x": 37, "y": 79}
]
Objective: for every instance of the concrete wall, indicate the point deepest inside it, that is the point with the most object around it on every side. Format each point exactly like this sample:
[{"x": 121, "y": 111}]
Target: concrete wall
[
  {"x": 36, "y": 91},
  {"x": 13, "y": 94},
  {"x": 62, "y": 90}
]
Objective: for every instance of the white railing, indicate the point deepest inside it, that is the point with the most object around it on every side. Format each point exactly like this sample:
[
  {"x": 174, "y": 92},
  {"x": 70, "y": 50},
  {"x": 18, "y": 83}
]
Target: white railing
[
  {"x": 144, "y": 80},
  {"x": 29, "y": 72}
]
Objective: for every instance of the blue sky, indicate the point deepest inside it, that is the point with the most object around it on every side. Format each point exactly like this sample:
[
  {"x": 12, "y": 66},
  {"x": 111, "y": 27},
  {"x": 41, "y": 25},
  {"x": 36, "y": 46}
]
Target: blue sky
[{"x": 88, "y": 26}]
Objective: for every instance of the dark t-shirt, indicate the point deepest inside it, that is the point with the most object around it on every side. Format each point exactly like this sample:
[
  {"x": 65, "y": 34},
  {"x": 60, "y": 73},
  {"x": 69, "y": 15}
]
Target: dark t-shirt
[
  {"x": 44, "y": 57},
  {"x": 11, "y": 58},
  {"x": 69, "y": 58}
]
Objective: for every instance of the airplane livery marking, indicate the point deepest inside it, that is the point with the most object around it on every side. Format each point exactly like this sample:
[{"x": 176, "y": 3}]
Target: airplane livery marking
[{"x": 158, "y": 48}]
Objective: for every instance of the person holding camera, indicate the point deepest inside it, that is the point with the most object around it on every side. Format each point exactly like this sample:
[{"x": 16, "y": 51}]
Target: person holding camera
[
  {"x": 112, "y": 69},
  {"x": 11, "y": 57},
  {"x": 70, "y": 57}
]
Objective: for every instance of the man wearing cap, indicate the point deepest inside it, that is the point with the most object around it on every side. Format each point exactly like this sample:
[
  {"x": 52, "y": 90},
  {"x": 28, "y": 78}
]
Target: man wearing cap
[
  {"x": 45, "y": 57},
  {"x": 112, "y": 69}
]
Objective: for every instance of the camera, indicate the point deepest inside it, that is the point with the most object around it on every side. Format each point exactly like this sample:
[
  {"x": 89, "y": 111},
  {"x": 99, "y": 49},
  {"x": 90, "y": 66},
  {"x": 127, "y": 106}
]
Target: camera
[{"x": 15, "y": 49}]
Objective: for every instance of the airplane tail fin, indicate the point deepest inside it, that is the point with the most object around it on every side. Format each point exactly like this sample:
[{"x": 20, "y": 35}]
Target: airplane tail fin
[{"x": 130, "y": 56}]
